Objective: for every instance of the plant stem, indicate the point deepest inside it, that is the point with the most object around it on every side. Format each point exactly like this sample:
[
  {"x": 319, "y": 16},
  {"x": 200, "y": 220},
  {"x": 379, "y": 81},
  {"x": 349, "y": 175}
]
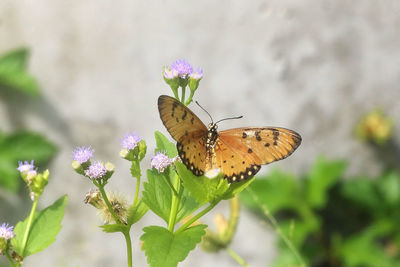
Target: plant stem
[
  {"x": 183, "y": 94},
  {"x": 236, "y": 257},
  {"x": 196, "y": 217},
  {"x": 190, "y": 97},
  {"x": 128, "y": 247},
  {"x": 137, "y": 191},
  {"x": 171, "y": 186},
  {"x": 275, "y": 225},
  {"x": 105, "y": 198},
  {"x": 11, "y": 259},
  {"x": 28, "y": 226},
  {"x": 174, "y": 205}
]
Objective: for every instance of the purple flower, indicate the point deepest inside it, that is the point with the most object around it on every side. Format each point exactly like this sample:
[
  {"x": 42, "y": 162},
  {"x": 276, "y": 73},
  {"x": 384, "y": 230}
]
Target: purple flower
[
  {"x": 130, "y": 141},
  {"x": 169, "y": 73},
  {"x": 6, "y": 231},
  {"x": 96, "y": 170},
  {"x": 182, "y": 67},
  {"x": 160, "y": 161},
  {"x": 198, "y": 74},
  {"x": 26, "y": 166},
  {"x": 83, "y": 154}
]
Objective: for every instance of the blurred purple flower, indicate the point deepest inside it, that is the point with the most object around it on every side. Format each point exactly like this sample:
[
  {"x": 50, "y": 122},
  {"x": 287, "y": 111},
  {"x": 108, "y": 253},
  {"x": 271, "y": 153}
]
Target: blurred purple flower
[
  {"x": 182, "y": 67},
  {"x": 198, "y": 74},
  {"x": 96, "y": 170},
  {"x": 130, "y": 141},
  {"x": 160, "y": 161},
  {"x": 26, "y": 166},
  {"x": 6, "y": 231},
  {"x": 83, "y": 154}
]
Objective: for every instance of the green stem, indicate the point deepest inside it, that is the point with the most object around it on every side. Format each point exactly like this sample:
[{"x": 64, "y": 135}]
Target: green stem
[
  {"x": 183, "y": 94},
  {"x": 175, "y": 91},
  {"x": 10, "y": 259},
  {"x": 236, "y": 257},
  {"x": 105, "y": 198},
  {"x": 128, "y": 247},
  {"x": 190, "y": 97},
  {"x": 174, "y": 205},
  {"x": 136, "y": 199},
  {"x": 28, "y": 226},
  {"x": 170, "y": 185},
  {"x": 277, "y": 228},
  {"x": 196, "y": 217}
]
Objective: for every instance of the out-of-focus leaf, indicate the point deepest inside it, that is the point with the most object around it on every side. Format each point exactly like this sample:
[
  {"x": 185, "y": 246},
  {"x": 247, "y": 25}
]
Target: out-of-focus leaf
[
  {"x": 13, "y": 74},
  {"x": 362, "y": 191},
  {"x": 389, "y": 187},
  {"x": 322, "y": 176},
  {"x": 9, "y": 176}
]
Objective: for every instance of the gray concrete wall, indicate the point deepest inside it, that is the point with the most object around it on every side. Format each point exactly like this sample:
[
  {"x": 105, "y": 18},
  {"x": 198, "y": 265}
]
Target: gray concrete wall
[{"x": 313, "y": 66}]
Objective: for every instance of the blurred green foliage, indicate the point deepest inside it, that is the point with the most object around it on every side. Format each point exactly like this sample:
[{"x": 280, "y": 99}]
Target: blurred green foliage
[
  {"x": 21, "y": 145},
  {"x": 330, "y": 220}
]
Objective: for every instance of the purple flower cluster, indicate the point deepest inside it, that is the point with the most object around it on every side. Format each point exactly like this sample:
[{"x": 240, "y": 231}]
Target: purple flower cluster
[
  {"x": 160, "y": 161},
  {"x": 6, "y": 231},
  {"x": 83, "y": 154},
  {"x": 181, "y": 68},
  {"x": 26, "y": 167},
  {"x": 96, "y": 170},
  {"x": 130, "y": 141}
]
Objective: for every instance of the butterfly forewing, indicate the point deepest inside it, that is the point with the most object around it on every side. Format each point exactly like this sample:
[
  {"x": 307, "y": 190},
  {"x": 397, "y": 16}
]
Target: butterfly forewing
[{"x": 188, "y": 130}]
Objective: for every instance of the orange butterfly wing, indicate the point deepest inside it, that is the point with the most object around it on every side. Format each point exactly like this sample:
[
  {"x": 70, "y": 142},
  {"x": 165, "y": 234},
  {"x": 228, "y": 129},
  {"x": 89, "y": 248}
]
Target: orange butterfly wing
[
  {"x": 240, "y": 152},
  {"x": 188, "y": 130}
]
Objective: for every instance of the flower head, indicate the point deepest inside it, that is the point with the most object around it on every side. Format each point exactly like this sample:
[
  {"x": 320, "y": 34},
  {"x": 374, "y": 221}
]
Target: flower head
[
  {"x": 6, "y": 231},
  {"x": 197, "y": 75},
  {"x": 169, "y": 73},
  {"x": 160, "y": 161},
  {"x": 182, "y": 67},
  {"x": 83, "y": 154},
  {"x": 96, "y": 170},
  {"x": 130, "y": 141},
  {"x": 26, "y": 166}
]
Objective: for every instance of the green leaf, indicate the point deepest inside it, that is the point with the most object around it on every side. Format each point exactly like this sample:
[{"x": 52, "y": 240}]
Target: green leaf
[
  {"x": 187, "y": 206},
  {"x": 166, "y": 249},
  {"x": 113, "y": 228},
  {"x": 157, "y": 194},
  {"x": 135, "y": 213},
  {"x": 135, "y": 168},
  {"x": 9, "y": 176},
  {"x": 389, "y": 187},
  {"x": 276, "y": 191},
  {"x": 202, "y": 189},
  {"x": 164, "y": 145},
  {"x": 323, "y": 175},
  {"x": 236, "y": 188},
  {"x": 13, "y": 74},
  {"x": 361, "y": 190},
  {"x": 45, "y": 226},
  {"x": 26, "y": 146}
]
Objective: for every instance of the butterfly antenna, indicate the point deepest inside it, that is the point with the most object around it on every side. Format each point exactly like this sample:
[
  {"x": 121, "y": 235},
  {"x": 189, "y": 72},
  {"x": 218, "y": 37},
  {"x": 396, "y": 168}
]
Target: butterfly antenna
[
  {"x": 233, "y": 118},
  {"x": 205, "y": 111}
]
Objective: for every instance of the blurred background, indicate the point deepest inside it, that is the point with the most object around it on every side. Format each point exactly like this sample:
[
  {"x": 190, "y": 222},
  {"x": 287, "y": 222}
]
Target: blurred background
[{"x": 91, "y": 71}]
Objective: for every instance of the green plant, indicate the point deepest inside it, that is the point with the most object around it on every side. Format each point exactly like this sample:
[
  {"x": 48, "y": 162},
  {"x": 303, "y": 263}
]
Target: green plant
[{"x": 330, "y": 219}]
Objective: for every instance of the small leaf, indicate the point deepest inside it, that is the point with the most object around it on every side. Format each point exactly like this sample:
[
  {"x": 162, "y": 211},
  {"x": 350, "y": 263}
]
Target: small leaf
[
  {"x": 323, "y": 175},
  {"x": 113, "y": 228},
  {"x": 15, "y": 59},
  {"x": 135, "y": 168},
  {"x": 164, "y": 145},
  {"x": 135, "y": 213},
  {"x": 167, "y": 249},
  {"x": 157, "y": 194},
  {"x": 362, "y": 191},
  {"x": 45, "y": 226},
  {"x": 9, "y": 176},
  {"x": 389, "y": 187},
  {"x": 236, "y": 188},
  {"x": 202, "y": 189}
]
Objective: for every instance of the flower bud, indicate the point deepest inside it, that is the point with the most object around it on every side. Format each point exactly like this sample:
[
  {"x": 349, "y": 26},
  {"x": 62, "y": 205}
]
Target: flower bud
[{"x": 375, "y": 127}]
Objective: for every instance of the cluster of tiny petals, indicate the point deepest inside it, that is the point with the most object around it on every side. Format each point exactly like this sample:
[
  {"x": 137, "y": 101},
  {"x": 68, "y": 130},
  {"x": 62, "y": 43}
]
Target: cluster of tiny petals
[
  {"x": 6, "y": 231},
  {"x": 130, "y": 141},
  {"x": 96, "y": 170},
  {"x": 169, "y": 73},
  {"x": 198, "y": 74},
  {"x": 160, "y": 161},
  {"x": 83, "y": 154},
  {"x": 182, "y": 67},
  {"x": 26, "y": 166}
]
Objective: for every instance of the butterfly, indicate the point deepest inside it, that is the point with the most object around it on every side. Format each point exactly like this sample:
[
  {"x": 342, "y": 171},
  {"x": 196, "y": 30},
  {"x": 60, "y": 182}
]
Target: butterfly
[{"x": 238, "y": 153}]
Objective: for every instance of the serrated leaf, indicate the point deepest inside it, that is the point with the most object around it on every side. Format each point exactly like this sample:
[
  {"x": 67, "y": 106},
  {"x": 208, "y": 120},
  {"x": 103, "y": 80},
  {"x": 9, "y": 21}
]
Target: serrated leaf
[
  {"x": 113, "y": 228},
  {"x": 187, "y": 206},
  {"x": 202, "y": 189},
  {"x": 26, "y": 146},
  {"x": 157, "y": 194},
  {"x": 135, "y": 213},
  {"x": 45, "y": 226},
  {"x": 164, "y": 145},
  {"x": 323, "y": 175},
  {"x": 167, "y": 249}
]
